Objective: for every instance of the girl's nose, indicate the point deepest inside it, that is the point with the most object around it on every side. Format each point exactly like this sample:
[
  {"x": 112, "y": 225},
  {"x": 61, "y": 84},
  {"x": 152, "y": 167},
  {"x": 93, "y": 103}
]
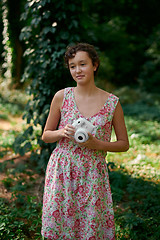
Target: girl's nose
[{"x": 78, "y": 69}]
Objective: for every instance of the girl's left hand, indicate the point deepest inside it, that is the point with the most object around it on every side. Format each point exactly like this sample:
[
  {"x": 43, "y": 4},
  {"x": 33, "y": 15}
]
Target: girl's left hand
[{"x": 91, "y": 143}]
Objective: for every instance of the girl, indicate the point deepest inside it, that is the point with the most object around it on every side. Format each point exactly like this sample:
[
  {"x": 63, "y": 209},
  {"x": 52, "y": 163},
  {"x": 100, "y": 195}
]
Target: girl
[{"x": 77, "y": 201}]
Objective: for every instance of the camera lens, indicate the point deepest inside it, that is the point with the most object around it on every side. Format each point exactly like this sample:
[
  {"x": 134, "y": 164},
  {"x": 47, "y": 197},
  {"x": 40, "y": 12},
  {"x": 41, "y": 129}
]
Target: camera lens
[
  {"x": 80, "y": 138},
  {"x": 81, "y": 135}
]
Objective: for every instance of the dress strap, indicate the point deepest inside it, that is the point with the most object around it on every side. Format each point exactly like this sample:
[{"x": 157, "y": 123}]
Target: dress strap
[
  {"x": 112, "y": 104},
  {"x": 114, "y": 101},
  {"x": 67, "y": 99},
  {"x": 67, "y": 91}
]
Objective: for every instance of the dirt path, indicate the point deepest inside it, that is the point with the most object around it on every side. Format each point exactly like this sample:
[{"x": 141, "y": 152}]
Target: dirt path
[{"x": 12, "y": 124}]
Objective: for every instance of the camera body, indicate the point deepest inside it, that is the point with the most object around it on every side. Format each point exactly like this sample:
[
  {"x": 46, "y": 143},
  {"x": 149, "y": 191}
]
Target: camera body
[{"x": 82, "y": 127}]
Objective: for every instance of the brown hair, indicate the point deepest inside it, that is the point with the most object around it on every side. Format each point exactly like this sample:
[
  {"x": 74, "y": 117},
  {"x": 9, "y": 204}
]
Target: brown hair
[{"x": 72, "y": 50}]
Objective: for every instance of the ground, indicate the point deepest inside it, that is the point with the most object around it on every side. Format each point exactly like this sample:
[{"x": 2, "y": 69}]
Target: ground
[
  {"x": 12, "y": 161},
  {"x": 134, "y": 178}
]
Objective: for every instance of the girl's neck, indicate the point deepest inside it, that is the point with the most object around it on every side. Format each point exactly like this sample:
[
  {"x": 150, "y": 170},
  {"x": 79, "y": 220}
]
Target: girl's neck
[{"x": 85, "y": 90}]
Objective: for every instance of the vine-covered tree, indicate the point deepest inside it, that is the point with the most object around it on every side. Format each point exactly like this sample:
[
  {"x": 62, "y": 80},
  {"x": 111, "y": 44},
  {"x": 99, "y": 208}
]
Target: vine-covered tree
[{"x": 50, "y": 27}]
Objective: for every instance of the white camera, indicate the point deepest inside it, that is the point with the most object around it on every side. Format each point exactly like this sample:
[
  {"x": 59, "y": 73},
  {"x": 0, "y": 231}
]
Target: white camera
[{"x": 82, "y": 127}]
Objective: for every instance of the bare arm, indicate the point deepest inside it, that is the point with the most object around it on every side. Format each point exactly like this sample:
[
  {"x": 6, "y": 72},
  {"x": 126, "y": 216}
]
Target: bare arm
[
  {"x": 122, "y": 143},
  {"x": 50, "y": 134}
]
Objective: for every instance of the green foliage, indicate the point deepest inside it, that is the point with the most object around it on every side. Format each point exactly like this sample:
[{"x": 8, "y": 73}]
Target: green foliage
[
  {"x": 139, "y": 104},
  {"x": 9, "y": 108},
  {"x": 12, "y": 103},
  {"x": 137, "y": 212},
  {"x": 20, "y": 216},
  {"x": 150, "y": 75},
  {"x": 50, "y": 27},
  {"x": 125, "y": 34},
  {"x": 7, "y": 138},
  {"x": 21, "y": 222},
  {"x": 135, "y": 196},
  {"x": 134, "y": 178},
  {"x": 143, "y": 111},
  {"x": 129, "y": 50},
  {"x": 121, "y": 30}
]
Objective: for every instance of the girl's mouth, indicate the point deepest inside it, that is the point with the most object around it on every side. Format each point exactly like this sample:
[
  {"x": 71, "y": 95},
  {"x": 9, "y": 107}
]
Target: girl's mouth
[{"x": 79, "y": 76}]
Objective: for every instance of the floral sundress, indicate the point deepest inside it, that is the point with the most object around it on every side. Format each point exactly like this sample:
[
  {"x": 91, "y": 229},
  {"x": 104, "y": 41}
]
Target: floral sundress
[{"x": 77, "y": 201}]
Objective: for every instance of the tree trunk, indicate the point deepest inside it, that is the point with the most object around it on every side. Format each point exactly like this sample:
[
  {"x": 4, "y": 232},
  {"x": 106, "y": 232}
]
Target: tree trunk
[{"x": 14, "y": 13}]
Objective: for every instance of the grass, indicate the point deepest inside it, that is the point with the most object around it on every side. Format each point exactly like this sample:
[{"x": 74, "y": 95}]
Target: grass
[
  {"x": 134, "y": 178},
  {"x": 20, "y": 211}
]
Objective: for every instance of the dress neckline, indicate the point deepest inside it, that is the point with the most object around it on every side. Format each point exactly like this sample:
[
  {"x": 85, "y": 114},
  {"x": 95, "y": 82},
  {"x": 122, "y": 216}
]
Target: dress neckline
[{"x": 74, "y": 100}]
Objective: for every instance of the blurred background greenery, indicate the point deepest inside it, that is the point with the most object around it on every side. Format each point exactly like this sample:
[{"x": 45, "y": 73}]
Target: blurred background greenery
[{"x": 34, "y": 35}]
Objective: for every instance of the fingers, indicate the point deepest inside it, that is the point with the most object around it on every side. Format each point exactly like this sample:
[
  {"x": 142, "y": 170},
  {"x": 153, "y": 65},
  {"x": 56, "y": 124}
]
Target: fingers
[
  {"x": 90, "y": 135},
  {"x": 84, "y": 144},
  {"x": 69, "y": 131},
  {"x": 90, "y": 143}
]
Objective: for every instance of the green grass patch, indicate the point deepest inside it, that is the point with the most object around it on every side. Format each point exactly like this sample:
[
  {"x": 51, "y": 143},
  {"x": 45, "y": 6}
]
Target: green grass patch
[
  {"x": 21, "y": 219},
  {"x": 134, "y": 178}
]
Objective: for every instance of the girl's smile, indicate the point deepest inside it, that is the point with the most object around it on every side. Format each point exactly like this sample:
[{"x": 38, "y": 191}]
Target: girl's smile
[{"x": 80, "y": 76}]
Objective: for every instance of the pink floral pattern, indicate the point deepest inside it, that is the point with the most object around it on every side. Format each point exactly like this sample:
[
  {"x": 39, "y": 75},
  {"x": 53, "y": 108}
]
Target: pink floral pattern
[{"x": 77, "y": 202}]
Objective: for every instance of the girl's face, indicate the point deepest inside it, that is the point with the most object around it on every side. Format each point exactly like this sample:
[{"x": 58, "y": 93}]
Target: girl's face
[{"x": 81, "y": 68}]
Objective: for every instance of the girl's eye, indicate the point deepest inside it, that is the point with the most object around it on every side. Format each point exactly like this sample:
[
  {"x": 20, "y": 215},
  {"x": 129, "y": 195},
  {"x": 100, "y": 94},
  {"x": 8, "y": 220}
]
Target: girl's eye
[
  {"x": 72, "y": 67},
  {"x": 83, "y": 64}
]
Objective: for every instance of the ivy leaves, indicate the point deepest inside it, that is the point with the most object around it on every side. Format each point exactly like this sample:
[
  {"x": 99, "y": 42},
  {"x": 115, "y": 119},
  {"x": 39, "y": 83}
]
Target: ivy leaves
[{"x": 49, "y": 28}]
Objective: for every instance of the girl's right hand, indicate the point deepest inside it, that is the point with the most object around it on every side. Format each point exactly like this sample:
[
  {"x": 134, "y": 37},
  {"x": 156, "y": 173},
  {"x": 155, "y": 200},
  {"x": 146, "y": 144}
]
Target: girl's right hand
[{"x": 68, "y": 131}]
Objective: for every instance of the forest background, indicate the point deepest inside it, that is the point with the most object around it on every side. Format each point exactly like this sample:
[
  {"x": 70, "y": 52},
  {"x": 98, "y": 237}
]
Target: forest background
[{"x": 33, "y": 36}]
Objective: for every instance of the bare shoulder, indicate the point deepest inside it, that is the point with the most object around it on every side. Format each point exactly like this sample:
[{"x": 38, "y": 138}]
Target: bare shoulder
[
  {"x": 58, "y": 98},
  {"x": 59, "y": 95}
]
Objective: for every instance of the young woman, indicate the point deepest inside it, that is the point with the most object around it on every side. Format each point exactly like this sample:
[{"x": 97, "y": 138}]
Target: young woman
[{"x": 77, "y": 200}]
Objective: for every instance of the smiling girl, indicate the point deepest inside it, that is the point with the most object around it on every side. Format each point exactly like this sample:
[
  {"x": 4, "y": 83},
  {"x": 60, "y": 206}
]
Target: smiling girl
[{"x": 77, "y": 201}]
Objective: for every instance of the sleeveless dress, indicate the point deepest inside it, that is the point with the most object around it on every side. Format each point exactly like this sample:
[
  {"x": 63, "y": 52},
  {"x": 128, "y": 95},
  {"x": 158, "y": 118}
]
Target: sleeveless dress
[{"x": 77, "y": 202}]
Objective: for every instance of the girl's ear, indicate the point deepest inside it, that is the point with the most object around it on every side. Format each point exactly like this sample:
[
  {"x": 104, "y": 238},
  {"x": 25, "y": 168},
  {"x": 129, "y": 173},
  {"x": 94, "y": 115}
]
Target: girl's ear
[{"x": 95, "y": 66}]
